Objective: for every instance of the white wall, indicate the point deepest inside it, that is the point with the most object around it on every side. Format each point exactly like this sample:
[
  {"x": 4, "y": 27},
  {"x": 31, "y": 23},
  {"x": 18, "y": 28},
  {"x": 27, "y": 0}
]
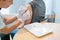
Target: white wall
[
  {"x": 57, "y": 10},
  {"x": 17, "y": 3},
  {"x": 48, "y": 6},
  {"x": 53, "y": 6}
]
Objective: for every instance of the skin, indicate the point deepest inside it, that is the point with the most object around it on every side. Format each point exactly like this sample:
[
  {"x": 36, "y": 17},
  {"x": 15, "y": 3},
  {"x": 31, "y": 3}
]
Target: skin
[
  {"x": 5, "y": 3},
  {"x": 29, "y": 20}
]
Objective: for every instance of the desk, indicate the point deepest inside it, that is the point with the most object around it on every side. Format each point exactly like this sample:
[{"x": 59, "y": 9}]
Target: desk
[{"x": 23, "y": 34}]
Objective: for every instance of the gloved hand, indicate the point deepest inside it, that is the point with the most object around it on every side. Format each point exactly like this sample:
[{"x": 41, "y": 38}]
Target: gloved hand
[
  {"x": 21, "y": 11},
  {"x": 25, "y": 16}
]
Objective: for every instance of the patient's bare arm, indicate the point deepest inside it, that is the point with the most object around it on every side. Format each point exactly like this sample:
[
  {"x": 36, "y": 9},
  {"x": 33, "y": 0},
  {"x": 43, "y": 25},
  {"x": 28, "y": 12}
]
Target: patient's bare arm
[{"x": 29, "y": 20}]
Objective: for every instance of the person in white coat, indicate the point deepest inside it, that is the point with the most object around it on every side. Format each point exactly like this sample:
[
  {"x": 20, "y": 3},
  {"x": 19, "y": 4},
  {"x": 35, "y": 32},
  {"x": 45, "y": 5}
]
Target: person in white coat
[{"x": 4, "y": 21}]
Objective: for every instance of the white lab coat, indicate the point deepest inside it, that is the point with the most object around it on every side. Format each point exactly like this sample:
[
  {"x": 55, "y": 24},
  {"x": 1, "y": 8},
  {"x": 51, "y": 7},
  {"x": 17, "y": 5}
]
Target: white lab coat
[{"x": 2, "y": 24}]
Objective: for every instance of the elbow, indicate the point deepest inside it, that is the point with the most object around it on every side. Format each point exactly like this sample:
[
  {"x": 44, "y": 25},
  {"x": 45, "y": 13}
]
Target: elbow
[{"x": 6, "y": 32}]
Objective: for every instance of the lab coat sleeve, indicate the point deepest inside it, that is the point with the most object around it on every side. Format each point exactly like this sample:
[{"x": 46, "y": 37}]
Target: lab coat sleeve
[{"x": 2, "y": 24}]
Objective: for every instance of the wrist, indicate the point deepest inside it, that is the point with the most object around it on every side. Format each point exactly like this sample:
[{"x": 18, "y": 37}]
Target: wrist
[
  {"x": 17, "y": 16},
  {"x": 21, "y": 20}
]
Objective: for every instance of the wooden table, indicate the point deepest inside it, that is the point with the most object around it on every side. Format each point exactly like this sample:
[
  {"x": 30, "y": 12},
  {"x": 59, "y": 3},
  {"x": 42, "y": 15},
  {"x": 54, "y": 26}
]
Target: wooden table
[{"x": 23, "y": 34}]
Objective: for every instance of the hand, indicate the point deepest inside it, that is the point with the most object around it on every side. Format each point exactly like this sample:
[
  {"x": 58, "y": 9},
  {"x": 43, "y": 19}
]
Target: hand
[
  {"x": 25, "y": 16},
  {"x": 21, "y": 11},
  {"x": 21, "y": 26}
]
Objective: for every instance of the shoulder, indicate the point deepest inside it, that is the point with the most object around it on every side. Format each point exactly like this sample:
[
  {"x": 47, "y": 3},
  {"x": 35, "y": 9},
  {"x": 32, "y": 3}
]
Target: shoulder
[{"x": 29, "y": 8}]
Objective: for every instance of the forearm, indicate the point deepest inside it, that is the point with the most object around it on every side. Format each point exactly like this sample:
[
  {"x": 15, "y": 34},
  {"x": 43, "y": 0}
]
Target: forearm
[
  {"x": 7, "y": 30},
  {"x": 16, "y": 24},
  {"x": 9, "y": 20},
  {"x": 4, "y": 30}
]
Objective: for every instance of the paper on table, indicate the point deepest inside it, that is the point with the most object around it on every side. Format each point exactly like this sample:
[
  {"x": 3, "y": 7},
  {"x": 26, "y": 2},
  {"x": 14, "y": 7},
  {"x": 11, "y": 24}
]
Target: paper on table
[{"x": 38, "y": 29}]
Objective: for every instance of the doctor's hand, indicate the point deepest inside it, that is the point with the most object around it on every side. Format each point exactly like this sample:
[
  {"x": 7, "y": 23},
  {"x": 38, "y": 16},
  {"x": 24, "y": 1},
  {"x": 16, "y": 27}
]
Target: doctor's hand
[
  {"x": 25, "y": 16},
  {"x": 21, "y": 11}
]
